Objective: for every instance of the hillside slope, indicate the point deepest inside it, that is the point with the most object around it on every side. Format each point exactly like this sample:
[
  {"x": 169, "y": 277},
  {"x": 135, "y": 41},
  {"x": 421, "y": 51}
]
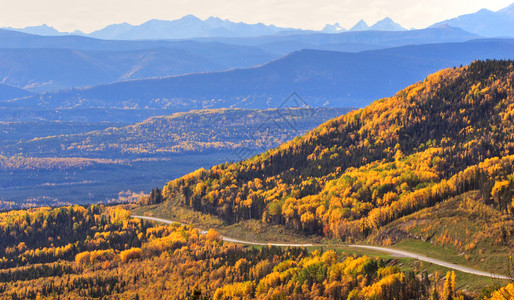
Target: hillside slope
[
  {"x": 47, "y": 69},
  {"x": 335, "y": 79},
  {"x": 462, "y": 229},
  {"x": 447, "y": 135},
  {"x": 53, "y": 69},
  {"x": 8, "y": 92}
]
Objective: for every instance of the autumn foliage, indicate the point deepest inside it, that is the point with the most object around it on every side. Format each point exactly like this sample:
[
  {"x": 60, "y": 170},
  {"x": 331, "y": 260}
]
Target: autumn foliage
[
  {"x": 177, "y": 262},
  {"x": 445, "y": 136},
  {"x": 450, "y": 136}
]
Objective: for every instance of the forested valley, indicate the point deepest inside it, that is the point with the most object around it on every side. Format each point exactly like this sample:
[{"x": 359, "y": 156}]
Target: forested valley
[{"x": 50, "y": 163}]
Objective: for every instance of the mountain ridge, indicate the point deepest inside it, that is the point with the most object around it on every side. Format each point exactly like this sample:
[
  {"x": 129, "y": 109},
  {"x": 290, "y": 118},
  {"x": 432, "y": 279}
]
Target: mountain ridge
[
  {"x": 485, "y": 22},
  {"x": 187, "y": 27},
  {"x": 44, "y": 69},
  {"x": 279, "y": 44},
  {"x": 319, "y": 76}
]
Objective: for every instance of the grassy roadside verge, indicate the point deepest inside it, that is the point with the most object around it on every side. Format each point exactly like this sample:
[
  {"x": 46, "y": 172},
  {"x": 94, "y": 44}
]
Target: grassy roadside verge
[
  {"x": 461, "y": 230},
  {"x": 494, "y": 261},
  {"x": 469, "y": 283}
]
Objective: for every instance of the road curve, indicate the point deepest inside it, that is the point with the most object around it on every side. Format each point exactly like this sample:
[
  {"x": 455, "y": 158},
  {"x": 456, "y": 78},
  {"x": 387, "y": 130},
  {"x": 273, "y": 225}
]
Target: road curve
[
  {"x": 227, "y": 239},
  {"x": 432, "y": 260},
  {"x": 382, "y": 249}
]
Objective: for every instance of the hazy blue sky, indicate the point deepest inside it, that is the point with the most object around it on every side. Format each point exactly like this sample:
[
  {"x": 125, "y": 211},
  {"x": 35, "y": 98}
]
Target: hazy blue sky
[{"x": 89, "y": 15}]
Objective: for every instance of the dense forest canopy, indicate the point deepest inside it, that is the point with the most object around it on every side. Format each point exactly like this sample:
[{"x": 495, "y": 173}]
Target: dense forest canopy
[{"x": 99, "y": 252}]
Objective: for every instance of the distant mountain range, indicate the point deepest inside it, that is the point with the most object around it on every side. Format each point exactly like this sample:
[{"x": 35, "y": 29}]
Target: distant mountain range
[
  {"x": 186, "y": 27},
  {"x": 47, "y": 63},
  {"x": 485, "y": 22},
  {"x": 190, "y": 26},
  {"x": 322, "y": 78},
  {"x": 41, "y": 30},
  {"x": 278, "y": 44},
  {"x": 15, "y": 39}
]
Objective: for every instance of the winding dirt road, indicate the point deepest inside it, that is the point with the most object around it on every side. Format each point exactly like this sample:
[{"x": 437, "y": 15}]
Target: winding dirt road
[{"x": 382, "y": 249}]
